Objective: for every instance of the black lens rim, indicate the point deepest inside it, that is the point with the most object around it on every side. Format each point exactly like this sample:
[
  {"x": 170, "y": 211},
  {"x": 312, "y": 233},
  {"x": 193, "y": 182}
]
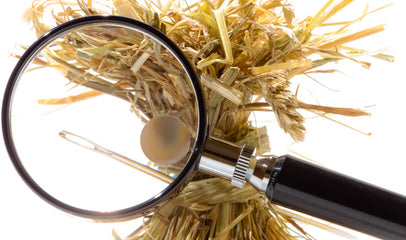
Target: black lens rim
[{"x": 154, "y": 202}]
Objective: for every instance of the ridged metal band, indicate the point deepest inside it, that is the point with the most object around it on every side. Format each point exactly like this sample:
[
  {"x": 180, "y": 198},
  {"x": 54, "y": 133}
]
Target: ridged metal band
[{"x": 241, "y": 168}]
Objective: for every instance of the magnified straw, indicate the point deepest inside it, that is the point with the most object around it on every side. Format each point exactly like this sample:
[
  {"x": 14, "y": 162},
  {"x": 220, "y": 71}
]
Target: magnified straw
[{"x": 85, "y": 143}]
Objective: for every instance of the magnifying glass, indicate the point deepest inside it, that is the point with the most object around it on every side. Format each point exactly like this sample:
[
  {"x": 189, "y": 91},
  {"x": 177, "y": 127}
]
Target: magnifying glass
[{"x": 138, "y": 131}]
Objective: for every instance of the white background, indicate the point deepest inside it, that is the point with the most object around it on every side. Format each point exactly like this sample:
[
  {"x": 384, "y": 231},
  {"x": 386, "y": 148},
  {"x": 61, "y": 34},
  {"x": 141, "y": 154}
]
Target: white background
[{"x": 379, "y": 159}]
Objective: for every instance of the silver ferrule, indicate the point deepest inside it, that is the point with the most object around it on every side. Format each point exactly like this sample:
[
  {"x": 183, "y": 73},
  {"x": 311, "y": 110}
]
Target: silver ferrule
[
  {"x": 226, "y": 160},
  {"x": 260, "y": 174}
]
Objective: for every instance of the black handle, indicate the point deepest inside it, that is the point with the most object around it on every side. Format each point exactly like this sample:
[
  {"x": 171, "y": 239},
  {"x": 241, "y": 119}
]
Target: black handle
[{"x": 334, "y": 197}]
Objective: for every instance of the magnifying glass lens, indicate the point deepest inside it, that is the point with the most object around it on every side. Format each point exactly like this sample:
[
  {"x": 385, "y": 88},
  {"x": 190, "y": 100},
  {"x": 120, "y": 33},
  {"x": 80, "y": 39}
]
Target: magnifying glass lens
[{"x": 78, "y": 108}]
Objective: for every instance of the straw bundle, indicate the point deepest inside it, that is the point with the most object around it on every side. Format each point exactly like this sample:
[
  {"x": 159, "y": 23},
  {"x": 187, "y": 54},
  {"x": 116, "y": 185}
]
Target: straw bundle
[{"x": 246, "y": 53}]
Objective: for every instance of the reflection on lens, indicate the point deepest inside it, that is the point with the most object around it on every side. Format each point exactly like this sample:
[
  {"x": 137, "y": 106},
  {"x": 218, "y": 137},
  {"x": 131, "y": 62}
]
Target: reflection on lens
[{"x": 78, "y": 110}]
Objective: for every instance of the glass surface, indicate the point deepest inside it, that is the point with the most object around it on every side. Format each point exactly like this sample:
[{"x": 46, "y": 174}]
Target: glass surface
[{"x": 79, "y": 108}]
